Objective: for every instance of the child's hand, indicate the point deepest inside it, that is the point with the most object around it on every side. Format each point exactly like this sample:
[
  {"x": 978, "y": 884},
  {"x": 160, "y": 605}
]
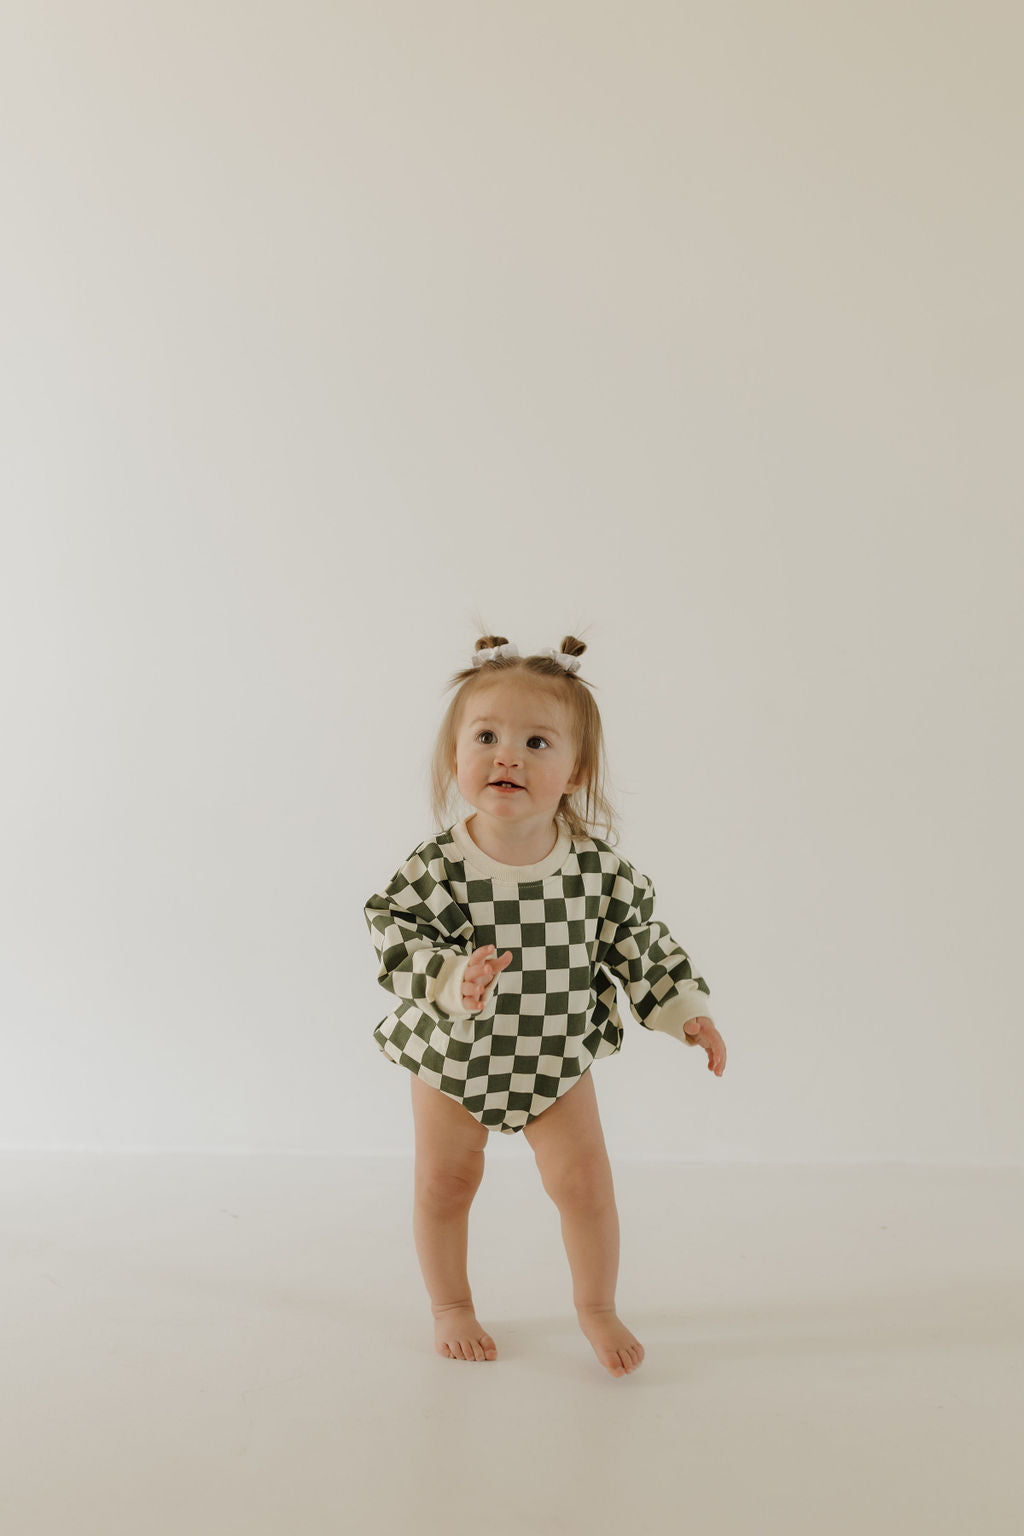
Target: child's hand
[
  {"x": 702, "y": 1032},
  {"x": 479, "y": 974}
]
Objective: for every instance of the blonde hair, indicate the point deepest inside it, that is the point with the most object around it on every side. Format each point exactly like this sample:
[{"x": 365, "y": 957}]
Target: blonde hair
[{"x": 587, "y": 807}]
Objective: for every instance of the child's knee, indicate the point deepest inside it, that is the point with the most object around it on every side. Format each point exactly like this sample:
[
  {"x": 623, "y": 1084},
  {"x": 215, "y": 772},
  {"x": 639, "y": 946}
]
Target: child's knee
[
  {"x": 449, "y": 1187},
  {"x": 580, "y": 1184}
]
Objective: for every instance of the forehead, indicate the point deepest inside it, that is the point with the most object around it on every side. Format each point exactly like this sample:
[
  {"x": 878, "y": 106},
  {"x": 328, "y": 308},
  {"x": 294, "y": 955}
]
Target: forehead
[{"x": 516, "y": 704}]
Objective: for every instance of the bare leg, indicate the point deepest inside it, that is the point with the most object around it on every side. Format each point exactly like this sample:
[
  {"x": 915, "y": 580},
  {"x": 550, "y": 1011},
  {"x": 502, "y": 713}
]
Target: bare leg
[
  {"x": 590, "y": 1231},
  {"x": 568, "y": 1143},
  {"x": 449, "y": 1167}
]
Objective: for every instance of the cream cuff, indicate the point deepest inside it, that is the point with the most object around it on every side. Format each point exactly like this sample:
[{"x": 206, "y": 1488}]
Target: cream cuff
[{"x": 689, "y": 1002}]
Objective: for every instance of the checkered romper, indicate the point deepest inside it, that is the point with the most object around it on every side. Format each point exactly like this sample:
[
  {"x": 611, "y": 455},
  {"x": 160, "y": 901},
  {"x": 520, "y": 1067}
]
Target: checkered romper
[{"x": 552, "y": 1012}]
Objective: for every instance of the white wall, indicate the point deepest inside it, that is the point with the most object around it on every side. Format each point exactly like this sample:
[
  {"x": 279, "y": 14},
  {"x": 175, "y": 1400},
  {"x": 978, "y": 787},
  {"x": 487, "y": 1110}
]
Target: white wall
[{"x": 325, "y": 327}]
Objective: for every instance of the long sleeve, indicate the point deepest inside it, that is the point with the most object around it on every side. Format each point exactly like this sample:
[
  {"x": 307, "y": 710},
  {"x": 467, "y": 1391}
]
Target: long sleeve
[
  {"x": 423, "y": 940},
  {"x": 656, "y": 972}
]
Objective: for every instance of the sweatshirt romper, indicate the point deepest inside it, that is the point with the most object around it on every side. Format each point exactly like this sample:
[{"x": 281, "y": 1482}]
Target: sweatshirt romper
[{"x": 569, "y": 920}]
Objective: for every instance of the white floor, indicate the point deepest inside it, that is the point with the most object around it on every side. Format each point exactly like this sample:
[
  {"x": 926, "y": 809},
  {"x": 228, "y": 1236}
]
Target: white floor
[{"x": 233, "y": 1346}]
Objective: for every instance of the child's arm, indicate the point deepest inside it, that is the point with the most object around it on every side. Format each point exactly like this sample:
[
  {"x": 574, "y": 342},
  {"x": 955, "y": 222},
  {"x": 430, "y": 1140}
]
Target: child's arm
[
  {"x": 420, "y": 958},
  {"x": 656, "y": 972}
]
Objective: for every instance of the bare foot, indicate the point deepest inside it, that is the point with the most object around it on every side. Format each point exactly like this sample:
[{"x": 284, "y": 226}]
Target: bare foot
[
  {"x": 618, "y": 1350},
  {"x": 458, "y": 1335}
]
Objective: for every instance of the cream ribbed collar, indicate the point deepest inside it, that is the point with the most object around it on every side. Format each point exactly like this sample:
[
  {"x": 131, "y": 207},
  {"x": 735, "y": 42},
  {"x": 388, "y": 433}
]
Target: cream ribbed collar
[{"x": 510, "y": 874}]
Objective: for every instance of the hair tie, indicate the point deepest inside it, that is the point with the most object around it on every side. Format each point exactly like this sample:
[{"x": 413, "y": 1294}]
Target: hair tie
[
  {"x": 508, "y": 649},
  {"x": 564, "y": 659}
]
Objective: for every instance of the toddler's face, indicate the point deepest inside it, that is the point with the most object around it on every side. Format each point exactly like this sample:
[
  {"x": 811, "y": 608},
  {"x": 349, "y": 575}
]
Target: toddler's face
[{"x": 518, "y": 732}]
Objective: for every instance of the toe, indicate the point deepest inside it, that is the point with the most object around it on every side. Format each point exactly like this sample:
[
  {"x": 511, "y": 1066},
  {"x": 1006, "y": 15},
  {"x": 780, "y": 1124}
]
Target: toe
[{"x": 477, "y": 1348}]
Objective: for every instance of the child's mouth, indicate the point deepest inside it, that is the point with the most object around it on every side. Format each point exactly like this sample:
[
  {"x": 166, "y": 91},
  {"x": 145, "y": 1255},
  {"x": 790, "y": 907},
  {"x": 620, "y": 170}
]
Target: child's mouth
[{"x": 505, "y": 789}]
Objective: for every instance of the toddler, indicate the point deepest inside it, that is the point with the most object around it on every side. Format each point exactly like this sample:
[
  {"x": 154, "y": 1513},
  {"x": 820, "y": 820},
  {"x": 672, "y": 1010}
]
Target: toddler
[{"x": 496, "y": 937}]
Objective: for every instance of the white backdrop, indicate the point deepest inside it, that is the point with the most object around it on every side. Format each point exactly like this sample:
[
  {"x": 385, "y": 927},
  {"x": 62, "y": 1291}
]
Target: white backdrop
[{"x": 696, "y": 328}]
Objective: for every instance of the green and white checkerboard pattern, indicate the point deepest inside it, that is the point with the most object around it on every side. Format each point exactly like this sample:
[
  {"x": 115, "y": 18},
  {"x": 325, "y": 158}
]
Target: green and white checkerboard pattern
[{"x": 553, "y": 1011}]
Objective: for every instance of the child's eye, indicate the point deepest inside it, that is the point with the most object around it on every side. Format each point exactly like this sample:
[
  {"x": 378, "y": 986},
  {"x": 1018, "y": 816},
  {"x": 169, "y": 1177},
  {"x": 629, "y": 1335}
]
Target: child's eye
[{"x": 532, "y": 738}]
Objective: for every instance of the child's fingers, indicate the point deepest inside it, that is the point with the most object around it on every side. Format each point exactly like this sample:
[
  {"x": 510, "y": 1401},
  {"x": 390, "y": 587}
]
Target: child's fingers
[
  {"x": 477, "y": 961},
  {"x": 485, "y": 965},
  {"x": 479, "y": 974}
]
